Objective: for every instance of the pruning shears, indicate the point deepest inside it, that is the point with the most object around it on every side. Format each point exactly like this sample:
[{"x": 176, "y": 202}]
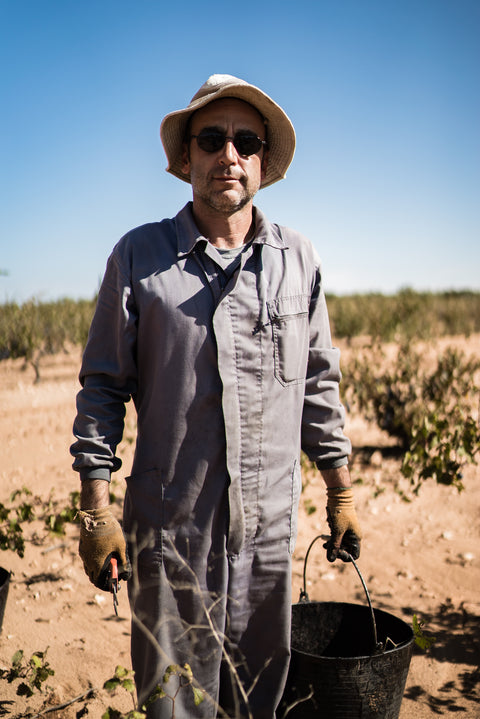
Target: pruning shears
[{"x": 113, "y": 583}]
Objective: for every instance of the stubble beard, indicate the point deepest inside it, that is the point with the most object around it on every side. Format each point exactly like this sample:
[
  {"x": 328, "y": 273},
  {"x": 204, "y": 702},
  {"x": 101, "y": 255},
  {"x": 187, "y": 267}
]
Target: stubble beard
[{"x": 220, "y": 202}]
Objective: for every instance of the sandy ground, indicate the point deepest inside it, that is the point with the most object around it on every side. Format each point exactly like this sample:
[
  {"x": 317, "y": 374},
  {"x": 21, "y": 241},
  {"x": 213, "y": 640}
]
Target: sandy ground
[{"x": 421, "y": 557}]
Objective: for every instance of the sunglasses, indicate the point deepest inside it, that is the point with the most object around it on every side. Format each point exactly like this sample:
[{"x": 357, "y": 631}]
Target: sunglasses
[{"x": 245, "y": 142}]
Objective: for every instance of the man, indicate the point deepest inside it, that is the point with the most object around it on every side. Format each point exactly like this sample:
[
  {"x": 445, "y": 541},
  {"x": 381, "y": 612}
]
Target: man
[{"x": 215, "y": 323}]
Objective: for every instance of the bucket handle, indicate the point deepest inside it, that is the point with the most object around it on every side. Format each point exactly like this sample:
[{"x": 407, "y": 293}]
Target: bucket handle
[{"x": 378, "y": 646}]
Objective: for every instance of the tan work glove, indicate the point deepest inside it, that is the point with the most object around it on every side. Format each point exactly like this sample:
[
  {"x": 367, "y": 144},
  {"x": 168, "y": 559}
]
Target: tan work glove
[
  {"x": 101, "y": 538},
  {"x": 345, "y": 532}
]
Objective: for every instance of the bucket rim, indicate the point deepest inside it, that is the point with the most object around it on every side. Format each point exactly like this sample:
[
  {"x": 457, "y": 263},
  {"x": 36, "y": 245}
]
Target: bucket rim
[
  {"x": 358, "y": 657},
  {"x": 404, "y": 644}
]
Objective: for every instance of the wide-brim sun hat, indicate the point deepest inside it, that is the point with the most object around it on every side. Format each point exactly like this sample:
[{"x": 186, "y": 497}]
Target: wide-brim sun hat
[{"x": 280, "y": 132}]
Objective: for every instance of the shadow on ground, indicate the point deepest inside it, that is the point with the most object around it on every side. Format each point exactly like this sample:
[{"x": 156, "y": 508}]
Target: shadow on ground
[{"x": 457, "y": 640}]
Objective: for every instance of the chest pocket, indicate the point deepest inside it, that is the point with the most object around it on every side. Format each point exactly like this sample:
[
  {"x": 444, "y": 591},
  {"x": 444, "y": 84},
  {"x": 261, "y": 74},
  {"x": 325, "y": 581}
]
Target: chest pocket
[{"x": 290, "y": 328}]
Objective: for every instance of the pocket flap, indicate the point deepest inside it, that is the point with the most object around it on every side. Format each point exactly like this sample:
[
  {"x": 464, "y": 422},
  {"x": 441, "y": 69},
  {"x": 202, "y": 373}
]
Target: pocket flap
[{"x": 285, "y": 306}]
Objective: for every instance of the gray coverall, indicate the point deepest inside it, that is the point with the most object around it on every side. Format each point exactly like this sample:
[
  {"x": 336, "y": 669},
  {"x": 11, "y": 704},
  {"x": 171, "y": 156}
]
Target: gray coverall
[{"x": 231, "y": 377}]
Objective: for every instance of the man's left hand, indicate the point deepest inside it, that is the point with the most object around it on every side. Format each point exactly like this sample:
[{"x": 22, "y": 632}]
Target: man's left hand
[{"x": 342, "y": 519}]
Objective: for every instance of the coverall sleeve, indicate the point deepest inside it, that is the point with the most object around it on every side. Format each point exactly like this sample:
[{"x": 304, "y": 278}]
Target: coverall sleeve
[
  {"x": 323, "y": 440},
  {"x": 108, "y": 375}
]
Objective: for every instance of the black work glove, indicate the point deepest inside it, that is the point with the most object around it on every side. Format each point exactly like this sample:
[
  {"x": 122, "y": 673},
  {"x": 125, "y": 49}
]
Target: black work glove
[
  {"x": 101, "y": 538},
  {"x": 345, "y": 532}
]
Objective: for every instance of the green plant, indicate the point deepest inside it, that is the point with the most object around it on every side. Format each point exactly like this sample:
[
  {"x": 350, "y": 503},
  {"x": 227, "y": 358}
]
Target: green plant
[
  {"x": 116, "y": 714},
  {"x": 35, "y": 671},
  {"x": 407, "y": 315},
  {"x": 55, "y": 518},
  {"x": 23, "y": 508},
  {"x": 35, "y": 329},
  {"x": 184, "y": 677},
  {"x": 310, "y": 508},
  {"x": 11, "y": 520},
  {"x": 430, "y": 412},
  {"x": 123, "y": 679},
  {"x": 421, "y": 640}
]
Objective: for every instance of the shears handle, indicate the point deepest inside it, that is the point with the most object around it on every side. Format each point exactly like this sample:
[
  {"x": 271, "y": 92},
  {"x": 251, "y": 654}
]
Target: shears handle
[
  {"x": 113, "y": 582},
  {"x": 113, "y": 573}
]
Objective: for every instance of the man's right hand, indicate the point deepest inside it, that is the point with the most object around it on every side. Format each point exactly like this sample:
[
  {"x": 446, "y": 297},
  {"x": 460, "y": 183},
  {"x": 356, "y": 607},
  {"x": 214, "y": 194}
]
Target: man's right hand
[{"x": 101, "y": 538}]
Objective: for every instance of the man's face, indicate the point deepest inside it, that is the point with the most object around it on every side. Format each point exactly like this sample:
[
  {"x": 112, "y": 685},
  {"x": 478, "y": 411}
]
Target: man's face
[{"x": 225, "y": 181}]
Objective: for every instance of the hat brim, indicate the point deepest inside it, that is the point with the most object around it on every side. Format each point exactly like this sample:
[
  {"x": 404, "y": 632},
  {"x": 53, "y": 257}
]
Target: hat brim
[{"x": 281, "y": 135}]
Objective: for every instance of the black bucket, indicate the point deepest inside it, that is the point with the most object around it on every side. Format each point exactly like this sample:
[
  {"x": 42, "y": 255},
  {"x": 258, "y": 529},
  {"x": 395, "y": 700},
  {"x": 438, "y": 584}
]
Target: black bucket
[
  {"x": 4, "y": 584},
  {"x": 348, "y": 661}
]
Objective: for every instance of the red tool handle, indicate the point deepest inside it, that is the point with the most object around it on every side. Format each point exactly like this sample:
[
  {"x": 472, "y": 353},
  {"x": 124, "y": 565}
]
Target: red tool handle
[
  {"x": 113, "y": 570},
  {"x": 113, "y": 582}
]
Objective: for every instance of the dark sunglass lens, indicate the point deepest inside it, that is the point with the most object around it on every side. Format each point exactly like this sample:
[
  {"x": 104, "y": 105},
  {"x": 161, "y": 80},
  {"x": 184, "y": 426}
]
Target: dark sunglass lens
[
  {"x": 247, "y": 143},
  {"x": 210, "y": 141}
]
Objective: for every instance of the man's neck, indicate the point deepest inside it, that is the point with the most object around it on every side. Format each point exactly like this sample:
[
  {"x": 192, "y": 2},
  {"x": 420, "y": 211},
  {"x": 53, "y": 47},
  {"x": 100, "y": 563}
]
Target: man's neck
[{"x": 225, "y": 231}]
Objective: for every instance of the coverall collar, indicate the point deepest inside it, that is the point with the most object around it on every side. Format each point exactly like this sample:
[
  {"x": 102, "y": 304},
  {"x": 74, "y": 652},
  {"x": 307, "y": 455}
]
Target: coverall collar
[{"x": 188, "y": 234}]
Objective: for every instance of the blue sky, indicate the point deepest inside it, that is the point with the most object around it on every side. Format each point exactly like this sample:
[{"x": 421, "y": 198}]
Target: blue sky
[{"x": 384, "y": 96}]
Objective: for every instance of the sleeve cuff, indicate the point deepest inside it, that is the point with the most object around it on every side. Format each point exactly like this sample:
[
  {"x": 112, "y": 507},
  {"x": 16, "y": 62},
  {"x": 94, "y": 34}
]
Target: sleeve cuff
[
  {"x": 332, "y": 463},
  {"x": 95, "y": 473}
]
